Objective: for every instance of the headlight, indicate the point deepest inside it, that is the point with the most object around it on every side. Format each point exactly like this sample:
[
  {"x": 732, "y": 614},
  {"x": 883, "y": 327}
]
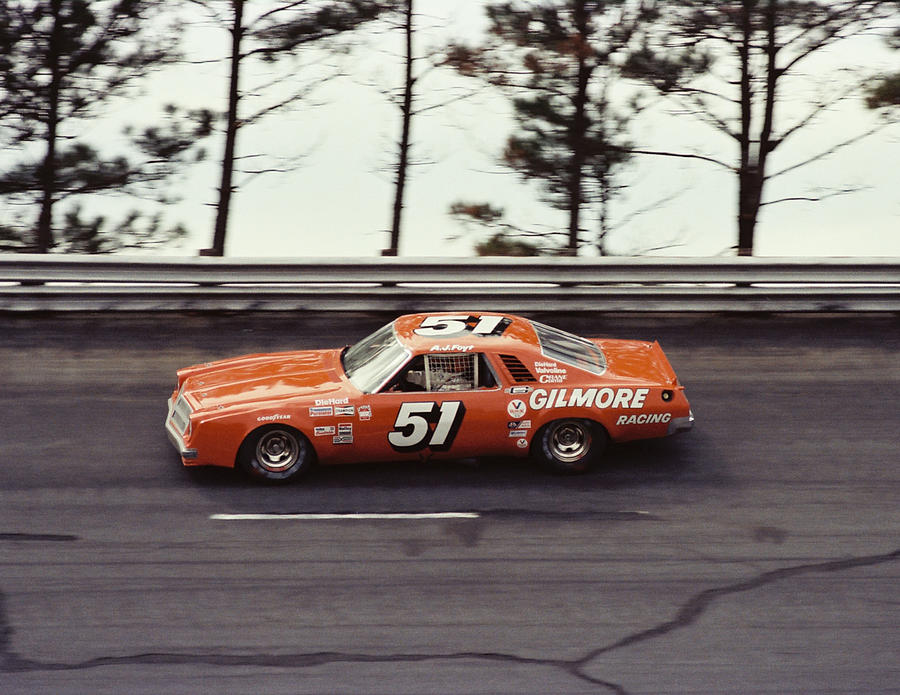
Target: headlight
[{"x": 182, "y": 415}]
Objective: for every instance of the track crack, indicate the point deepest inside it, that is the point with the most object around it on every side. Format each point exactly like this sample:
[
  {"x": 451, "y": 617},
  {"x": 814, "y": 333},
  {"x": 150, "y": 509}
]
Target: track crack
[
  {"x": 687, "y": 615},
  {"x": 697, "y": 605}
]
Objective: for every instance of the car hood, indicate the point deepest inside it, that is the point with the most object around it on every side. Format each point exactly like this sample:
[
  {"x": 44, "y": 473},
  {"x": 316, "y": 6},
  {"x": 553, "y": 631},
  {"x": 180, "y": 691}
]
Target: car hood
[
  {"x": 635, "y": 359},
  {"x": 263, "y": 378}
]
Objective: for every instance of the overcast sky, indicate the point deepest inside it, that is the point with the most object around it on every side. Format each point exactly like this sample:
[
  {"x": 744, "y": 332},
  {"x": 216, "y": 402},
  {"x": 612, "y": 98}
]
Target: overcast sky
[{"x": 337, "y": 202}]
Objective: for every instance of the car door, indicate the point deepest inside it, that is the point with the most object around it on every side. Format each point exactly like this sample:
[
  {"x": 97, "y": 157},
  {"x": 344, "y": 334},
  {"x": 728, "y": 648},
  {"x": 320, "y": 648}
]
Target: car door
[{"x": 447, "y": 405}]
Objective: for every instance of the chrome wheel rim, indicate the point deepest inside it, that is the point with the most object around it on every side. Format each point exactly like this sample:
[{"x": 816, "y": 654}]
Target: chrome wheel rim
[
  {"x": 277, "y": 450},
  {"x": 570, "y": 441}
]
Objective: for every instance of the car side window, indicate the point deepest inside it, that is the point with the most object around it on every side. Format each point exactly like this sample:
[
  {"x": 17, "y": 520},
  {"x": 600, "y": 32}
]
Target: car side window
[
  {"x": 486, "y": 378},
  {"x": 412, "y": 377},
  {"x": 451, "y": 371},
  {"x": 445, "y": 371}
]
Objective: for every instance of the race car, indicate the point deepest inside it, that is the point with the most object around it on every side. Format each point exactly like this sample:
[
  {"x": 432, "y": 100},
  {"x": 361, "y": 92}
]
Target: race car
[{"x": 455, "y": 385}]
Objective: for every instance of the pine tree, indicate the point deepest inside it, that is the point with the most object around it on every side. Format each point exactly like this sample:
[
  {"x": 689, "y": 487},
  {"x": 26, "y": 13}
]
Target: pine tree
[
  {"x": 558, "y": 58},
  {"x": 729, "y": 64},
  {"x": 61, "y": 62},
  {"x": 268, "y": 32}
]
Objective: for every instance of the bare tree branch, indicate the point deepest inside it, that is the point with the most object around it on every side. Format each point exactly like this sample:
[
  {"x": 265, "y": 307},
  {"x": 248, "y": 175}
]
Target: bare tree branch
[
  {"x": 815, "y": 199},
  {"x": 831, "y": 150},
  {"x": 684, "y": 155}
]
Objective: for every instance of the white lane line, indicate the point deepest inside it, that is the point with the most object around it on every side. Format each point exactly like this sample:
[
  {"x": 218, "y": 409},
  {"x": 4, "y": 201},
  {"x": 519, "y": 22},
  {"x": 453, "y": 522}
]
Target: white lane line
[{"x": 341, "y": 517}]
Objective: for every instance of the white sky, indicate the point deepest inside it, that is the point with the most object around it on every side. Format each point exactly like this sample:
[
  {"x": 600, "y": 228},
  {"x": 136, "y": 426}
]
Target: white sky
[{"x": 338, "y": 202}]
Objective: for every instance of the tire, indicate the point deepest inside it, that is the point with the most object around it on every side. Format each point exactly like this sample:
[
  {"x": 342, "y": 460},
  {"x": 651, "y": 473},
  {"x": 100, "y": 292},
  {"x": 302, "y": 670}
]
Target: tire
[
  {"x": 276, "y": 453},
  {"x": 570, "y": 445}
]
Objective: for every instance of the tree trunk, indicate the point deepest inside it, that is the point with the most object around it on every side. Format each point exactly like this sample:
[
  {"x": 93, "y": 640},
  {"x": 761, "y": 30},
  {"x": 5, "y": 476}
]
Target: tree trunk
[
  {"x": 747, "y": 211},
  {"x": 752, "y": 173},
  {"x": 755, "y": 177},
  {"x": 47, "y": 171},
  {"x": 578, "y": 130},
  {"x": 403, "y": 155},
  {"x": 226, "y": 188},
  {"x": 603, "y": 221},
  {"x": 749, "y": 198}
]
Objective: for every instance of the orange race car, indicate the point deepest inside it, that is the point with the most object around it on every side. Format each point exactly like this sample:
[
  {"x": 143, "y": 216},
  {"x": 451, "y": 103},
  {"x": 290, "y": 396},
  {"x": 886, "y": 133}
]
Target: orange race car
[{"x": 428, "y": 385}]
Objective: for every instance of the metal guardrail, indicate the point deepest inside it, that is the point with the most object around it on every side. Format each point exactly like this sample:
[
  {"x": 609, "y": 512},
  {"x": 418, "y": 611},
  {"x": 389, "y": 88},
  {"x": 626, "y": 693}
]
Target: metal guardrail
[{"x": 91, "y": 283}]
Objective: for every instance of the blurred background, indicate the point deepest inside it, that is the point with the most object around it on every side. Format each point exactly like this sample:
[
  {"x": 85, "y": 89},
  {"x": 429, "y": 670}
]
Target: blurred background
[{"x": 425, "y": 127}]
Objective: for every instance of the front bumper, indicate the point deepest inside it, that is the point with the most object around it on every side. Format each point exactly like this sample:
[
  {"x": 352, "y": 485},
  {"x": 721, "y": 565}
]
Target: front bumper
[
  {"x": 681, "y": 424},
  {"x": 175, "y": 436}
]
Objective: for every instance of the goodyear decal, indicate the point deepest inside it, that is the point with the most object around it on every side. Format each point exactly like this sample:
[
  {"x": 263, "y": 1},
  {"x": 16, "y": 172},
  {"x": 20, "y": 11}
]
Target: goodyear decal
[{"x": 272, "y": 418}]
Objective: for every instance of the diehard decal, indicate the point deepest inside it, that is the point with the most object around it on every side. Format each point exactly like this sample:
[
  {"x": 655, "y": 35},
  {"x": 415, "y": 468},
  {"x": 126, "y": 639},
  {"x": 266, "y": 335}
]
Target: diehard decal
[
  {"x": 325, "y": 430},
  {"x": 604, "y": 398},
  {"x": 321, "y": 411},
  {"x": 332, "y": 401},
  {"x": 364, "y": 412},
  {"x": 345, "y": 410},
  {"x": 644, "y": 419},
  {"x": 517, "y": 408}
]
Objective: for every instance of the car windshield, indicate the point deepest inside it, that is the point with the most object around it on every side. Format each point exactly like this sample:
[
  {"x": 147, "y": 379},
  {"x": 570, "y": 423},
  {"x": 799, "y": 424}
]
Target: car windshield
[
  {"x": 568, "y": 348},
  {"x": 375, "y": 359}
]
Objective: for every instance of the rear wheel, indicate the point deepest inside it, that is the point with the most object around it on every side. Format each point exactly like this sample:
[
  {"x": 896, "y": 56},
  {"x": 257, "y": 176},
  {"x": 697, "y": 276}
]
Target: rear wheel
[
  {"x": 569, "y": 446},
  {"x": 276, "y": 453}
]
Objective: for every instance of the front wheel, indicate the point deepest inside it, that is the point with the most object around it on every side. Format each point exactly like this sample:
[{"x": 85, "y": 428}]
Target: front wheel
[
  {"x": 276, "y": 453},
  {"x": 569, "y": 446}
]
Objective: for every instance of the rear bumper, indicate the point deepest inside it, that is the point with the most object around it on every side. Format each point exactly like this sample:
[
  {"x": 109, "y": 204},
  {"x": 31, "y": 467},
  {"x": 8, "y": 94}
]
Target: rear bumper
[
  {"x": 681, "y": 424},
  {"x": 175, "y": 436}
]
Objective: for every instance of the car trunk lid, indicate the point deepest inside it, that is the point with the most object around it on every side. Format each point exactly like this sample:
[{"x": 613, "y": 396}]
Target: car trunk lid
[{"x": 639, "y": 360}]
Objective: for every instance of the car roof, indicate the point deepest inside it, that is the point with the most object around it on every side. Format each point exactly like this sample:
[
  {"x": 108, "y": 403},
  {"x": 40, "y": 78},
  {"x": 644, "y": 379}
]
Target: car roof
[{"x": 517, "y": 334}]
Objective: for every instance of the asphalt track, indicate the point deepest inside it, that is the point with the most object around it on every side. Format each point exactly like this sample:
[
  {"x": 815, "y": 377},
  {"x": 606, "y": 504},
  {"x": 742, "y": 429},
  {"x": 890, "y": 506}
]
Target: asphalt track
[{"x": 758, "y": 554}]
